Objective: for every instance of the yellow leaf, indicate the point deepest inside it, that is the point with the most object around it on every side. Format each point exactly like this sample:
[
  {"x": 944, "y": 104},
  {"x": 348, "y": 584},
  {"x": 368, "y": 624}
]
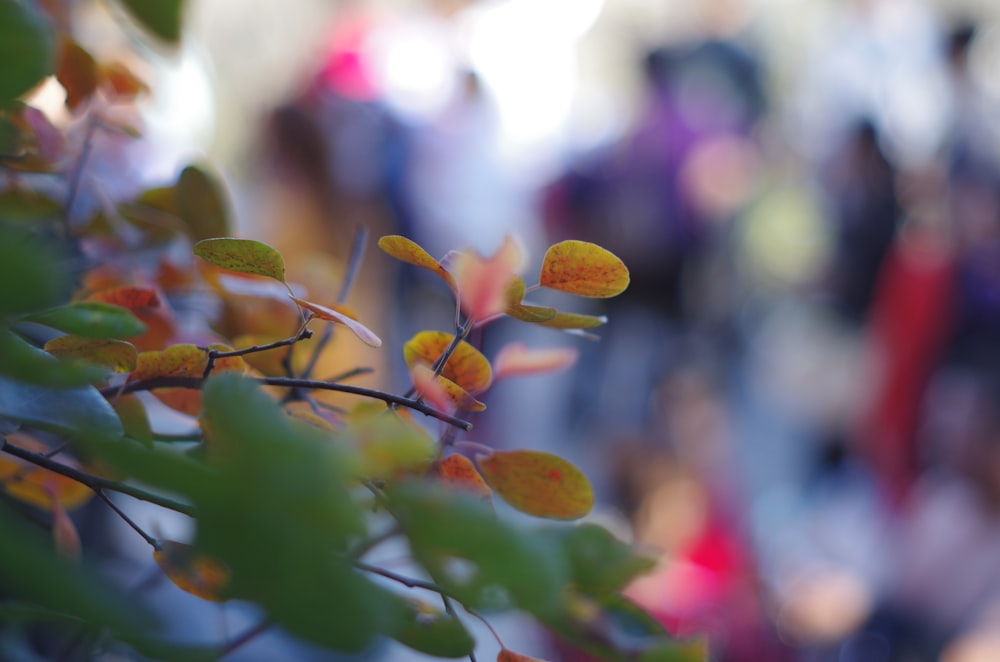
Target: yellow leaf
[
  {"x": 583, "y": 268},
  {"x": 517, "y": 359},
  {"x": 118, "y": 355},
  {"x": 192, "y": 571},
  {"x": 538, "y": 483},
  {"x": 183, "y": 361},
  {"x": 406, "y": 250},
  {"x": 365, "y": 334},
  {"x": 467, "y": 367},
  {"x": 458, "y": 472},
  {"x": 40, "y": 487}
]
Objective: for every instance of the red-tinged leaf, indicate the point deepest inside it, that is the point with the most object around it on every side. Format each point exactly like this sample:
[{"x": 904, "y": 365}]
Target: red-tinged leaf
[
  {"x": 120, "y": 82},
  {"x": 243, "y": 255},
  {"x": 583, "y": 268},
  {"x": 517, "y": 359},
  {"x": 118, "y": 355},
  {"x": 430, "y": 388},
  {"x": 192, "y": 571},
  {"x": 574, "y": 321},
  {"x": 483, "y": 283},
  {"x": 406, "y": 250},
  {"x": 467, "y": 367},
  {"x": 76, "y": 71},
  {"x": 538, "y": 483},
  {"x": 461, "y": 398},
  {"x": 133, "y": 298},
  {"x": 64, "y": 533},
  {"x": 363, "y": 333},
  {"x": 510, "y": 656},
  {"x": 458, "y": 472}
]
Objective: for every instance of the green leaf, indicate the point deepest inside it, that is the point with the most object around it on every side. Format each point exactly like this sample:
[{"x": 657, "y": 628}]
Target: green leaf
[
  {"x": 78, "y": 413},
  {"x": 18, "y": 204},
  {"x": 161, "y": 17},
  {"x": 483, "y": 561},
  {"x": 601, "y": 564},
  {"x": 91, "y": 319},
  {"x": 429, "y": 630},
  {"x": 243, "y": 255},
  {"x": 31, "y": 274},
  {"x": 27, "y": 49},
  {"x": 201, "y": 203},
  {"x": 29, "y": 364}
]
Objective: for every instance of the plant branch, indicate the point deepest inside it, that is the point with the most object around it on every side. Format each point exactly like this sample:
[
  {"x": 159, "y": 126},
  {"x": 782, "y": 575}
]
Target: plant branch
[
  {"x": 244, "y": 638},
  {"x": 128, "y": 520},
  {"x": 366, "y": 546},
  {"x": 291, "y": 382},
  {"x": 96, "y": 483},
  {"x": 76, "y": 174},
  {"x": 408, "y": 582}
]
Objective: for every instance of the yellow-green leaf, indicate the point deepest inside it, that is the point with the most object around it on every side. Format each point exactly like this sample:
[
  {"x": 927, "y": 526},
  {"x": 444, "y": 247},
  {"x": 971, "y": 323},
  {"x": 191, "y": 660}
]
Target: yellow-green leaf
[
  {"x": 91, "y": 319},
  {"x": 573, "y": 321},
  {"x": 132, "y": 413},
  {"x": 409, "y": 251},
  {"x": 583, "y": 268},
  {"x": 201, "y": 203},
  {"x": 174, "y": 361},
  {"x": 538, "y": 483},
  {"x": 118, "y": 355},
  {"x": 243, "y": 255},
  {"x": 363, "y": 333},
  {"x": 467, "y": 367}
]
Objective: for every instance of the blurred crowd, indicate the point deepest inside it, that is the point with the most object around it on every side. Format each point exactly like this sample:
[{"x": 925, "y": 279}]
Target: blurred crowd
[{"x": 797, "y": 400}]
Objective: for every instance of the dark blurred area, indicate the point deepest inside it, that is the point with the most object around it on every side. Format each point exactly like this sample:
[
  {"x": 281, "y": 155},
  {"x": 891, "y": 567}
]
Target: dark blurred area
[{"x": 796, "y": 403}]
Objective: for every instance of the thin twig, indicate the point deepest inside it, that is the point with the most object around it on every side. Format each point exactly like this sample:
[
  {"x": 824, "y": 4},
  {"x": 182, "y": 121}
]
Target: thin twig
[
  {"x": 367, "y": 545},
  {"x": 76, "y": 175},
  {"x": 241, "y": 640},
  {"x": 350, "y": 374},
  {"x": 408, "y": 582},
  {"x": 153, "y": 542},
  {"x": 96, "y": 483},
  {"x": 214, "y": 354},
  {"x": 291, "y": 382}
]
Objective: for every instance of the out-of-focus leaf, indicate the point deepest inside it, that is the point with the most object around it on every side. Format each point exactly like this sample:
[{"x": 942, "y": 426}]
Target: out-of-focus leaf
[
  {"x": 76, "y": 71},
  {"x": 146, "y": 304},
  {"x": 27, "y": 49},
  {"x": 386, "y": 443},
  {"x": 428, "y": 630},
  {"x": 517, "y": 359},
  {"x": 192, "y": 571},
  {"x": 32, "y": 572},
  {"x": 161, "y": 17},
  {"x": 29, "y": 364},
  {"x": 64, "y": 533},
  {"x": 182, "y": 361},
  {"x": 363, "y": 333},
  {"x": 467, "y": 367},
  {"x": 583, "y": 268},
  {"x": 135, "y": 421},
  {"x": 126, "y": 296},
  {"x": 601, "y": 564},
  {"x": 36, "y": 486},
  {"x": 406, "y": 250},
  {"x": 538, "y": 483},
  {"x": 118, "y": 355},
  {"x": 243, "y": 255},
  {"x": 120, "y": 82},
  {"x": 483, "y": 561},
  {"x": 91, "y": 319},
  {"x": 31, "y": 274},
  {"x": 429, "y": 387},
  {"x": 458, "y": 472},
  {"x": 201, "y": 203},
  {"x": 19, "y": 204},
  {"x": 483, "y": 283},
  {"x": 574, "y": 321},
  {"x": 78, "y": 413},
  {"x": 510, "y": 656}
]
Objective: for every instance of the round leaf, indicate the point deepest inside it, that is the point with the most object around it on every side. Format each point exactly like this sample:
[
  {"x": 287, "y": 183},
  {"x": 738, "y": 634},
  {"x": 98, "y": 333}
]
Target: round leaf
[
  {"x": 466, "y": 367},
  {"x": 458, "y": 472},
  {"x": 118, "y": 355},
  {"x": 430, "y": 631},
  {"x": 517, "y": 359},
  {"x": 201, "y": 203},
  {"x": 583, "y": 268},
  {"x": 243, "y": 255},
  {"x": 538, "y": 483},
  {"x": 406, "y": 250}
]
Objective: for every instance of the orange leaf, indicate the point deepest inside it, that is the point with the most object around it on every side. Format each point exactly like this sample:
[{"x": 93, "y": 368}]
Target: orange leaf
[
  {"x": 64, "y": 533},
  {"x": 517, "y": 359},
  {"x": 76, "y": 71},
  {"x": 510, "y": 656},
  {"x": 583, "y": 268},
  {"x": 429, "y": 387},
  {"x": 147, "y": 306},
  {"x": 458, "y": 471},
  {"x": 365, "y": 334},
  {"x": 406, "y": 250},
  {"x": 467, "y": 367},
  {"x": 121, "y": 82},
  {"x": 132, "y": 298},
  {"x": 36, "y": 486},
  {"x": 483, "y": 283},
  {"x": 537, "y": 483},
  {"x": 182, "y": 361},
  {"x": 192, "y": 571}
]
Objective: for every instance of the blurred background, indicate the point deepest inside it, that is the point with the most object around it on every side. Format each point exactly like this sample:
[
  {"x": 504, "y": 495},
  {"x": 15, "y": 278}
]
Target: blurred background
[{"x": 797, "y": 401}]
